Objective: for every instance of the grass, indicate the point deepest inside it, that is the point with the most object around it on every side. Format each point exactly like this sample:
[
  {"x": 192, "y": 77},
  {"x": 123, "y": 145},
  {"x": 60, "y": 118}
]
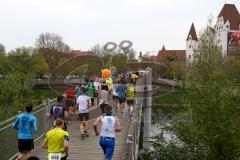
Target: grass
[
  {"x": 44, "y": 94},
  {"x": 172, "y": 97}
]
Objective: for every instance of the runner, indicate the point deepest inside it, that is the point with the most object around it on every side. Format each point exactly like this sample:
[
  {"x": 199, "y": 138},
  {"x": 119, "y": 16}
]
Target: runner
[
  {"x": 115, "y": 95},
  {"x": 97, "y": 86},
  {"x": 57, "y": 142},
  {"x": 25, "y": 124},
  {"x": 109, "y": 125},
  {"x": 130, "y": 97},
  {"x": 121, "y": 90},
  {"x": 109, "y": 83},
  {"x": 77, "y": 91},
  {"x": 59, "y": 111},
  {"x": 70, "y": 99},
  {"x": 102, "y": 105},
  {"x": 84, "y": 106},
  {"x": 33, "y": 158},
  {"x": 104, "y": 94},
  {"x": 90, "y": 91}
]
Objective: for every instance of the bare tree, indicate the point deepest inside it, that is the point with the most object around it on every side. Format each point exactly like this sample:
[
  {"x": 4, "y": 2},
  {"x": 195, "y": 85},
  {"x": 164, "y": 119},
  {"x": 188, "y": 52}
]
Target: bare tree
[
  {"x": 131, "y": 55},
  {"x": 99, "y": 50},
  {"x": 52, "y": 41}
]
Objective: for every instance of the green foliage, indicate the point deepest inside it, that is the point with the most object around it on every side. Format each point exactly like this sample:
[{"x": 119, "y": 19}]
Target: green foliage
[
  {"x": 2, "y": 49},
  {"x": 43, "y": 94},
  {"x": 168, "y": 98},
  {"x": 170, "y": 58},
  {"x": 28, "y": 61},
  {"x": 14, "y": 92},
  {"x": 16, "y": 69},
  {"x": 208, "y": 129},
  {"x": 118, "y": 61}
]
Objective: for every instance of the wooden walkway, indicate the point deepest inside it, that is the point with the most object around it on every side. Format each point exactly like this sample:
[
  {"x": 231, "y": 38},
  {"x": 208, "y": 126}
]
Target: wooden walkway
[{"x": 88, "y": 149}]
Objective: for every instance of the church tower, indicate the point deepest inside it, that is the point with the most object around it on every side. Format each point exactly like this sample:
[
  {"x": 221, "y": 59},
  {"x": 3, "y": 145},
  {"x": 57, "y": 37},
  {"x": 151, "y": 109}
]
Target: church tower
[{"x": 191, "y": 44}]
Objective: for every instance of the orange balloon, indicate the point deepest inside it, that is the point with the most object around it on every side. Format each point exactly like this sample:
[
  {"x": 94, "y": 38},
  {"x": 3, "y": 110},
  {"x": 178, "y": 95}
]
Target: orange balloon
[{"x": 106, "y": 73}]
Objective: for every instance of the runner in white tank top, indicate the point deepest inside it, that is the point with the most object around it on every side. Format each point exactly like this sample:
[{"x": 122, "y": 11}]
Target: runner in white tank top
[{"x": 109, "y": 125}]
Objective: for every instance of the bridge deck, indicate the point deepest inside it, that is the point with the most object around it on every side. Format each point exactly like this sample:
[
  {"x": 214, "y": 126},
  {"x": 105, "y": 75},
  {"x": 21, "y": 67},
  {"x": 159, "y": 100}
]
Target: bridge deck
[{"x": 88, "y": 149}]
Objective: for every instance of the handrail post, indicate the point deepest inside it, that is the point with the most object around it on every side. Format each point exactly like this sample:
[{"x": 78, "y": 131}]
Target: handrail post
[{"x": 147, "y": 108}]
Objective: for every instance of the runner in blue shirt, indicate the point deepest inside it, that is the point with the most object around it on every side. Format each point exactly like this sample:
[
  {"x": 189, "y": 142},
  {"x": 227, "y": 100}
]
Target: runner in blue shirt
[
  {"x": 121, "y": 91},
  {"x": 25, "y": 124}
]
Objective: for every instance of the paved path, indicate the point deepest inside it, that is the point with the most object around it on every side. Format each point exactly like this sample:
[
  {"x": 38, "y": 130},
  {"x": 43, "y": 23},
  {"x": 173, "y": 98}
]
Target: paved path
[{"x": 88, "y": 149}]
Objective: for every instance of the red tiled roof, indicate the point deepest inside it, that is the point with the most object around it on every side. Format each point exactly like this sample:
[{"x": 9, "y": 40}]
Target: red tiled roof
[
  {"x": 229, "y": 12},
  {"x": 192, "y": 33},
  {"x": 162, "y": 54},
  {"x": 80, "y": 53}
]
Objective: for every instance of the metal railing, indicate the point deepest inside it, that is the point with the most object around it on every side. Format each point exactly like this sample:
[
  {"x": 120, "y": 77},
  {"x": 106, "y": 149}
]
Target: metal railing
[
  {"x": 133, "y": 135},
  {"x": 9, "y": 136}
]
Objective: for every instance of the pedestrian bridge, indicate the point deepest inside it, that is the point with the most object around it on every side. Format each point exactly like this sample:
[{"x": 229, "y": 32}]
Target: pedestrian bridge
[
  {"x": 89, "y": 147},
  {"x": 127, "y": 141}
]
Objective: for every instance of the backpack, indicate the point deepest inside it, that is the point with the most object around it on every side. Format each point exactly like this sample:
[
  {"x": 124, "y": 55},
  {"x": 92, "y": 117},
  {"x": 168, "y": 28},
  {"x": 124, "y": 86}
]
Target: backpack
[{"x": 57, "y": 112}]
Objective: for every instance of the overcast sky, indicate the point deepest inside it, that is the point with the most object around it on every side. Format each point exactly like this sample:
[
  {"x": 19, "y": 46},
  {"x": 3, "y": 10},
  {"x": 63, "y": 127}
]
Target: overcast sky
[{"x": 83, "y": 23}]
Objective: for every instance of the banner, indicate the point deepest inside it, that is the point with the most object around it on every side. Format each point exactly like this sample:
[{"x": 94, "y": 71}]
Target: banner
[{"x": 233, "y": 43}]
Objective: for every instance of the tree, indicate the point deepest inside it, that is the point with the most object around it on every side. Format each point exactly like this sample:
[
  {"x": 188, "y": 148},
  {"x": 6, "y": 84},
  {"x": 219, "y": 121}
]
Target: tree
[
  {"x": 2, "y": 49},
  {"x": 52, "y": 41},
  {"x": 13, "y": 93},
  {"x": 4, "y": 65},
  {"x": 170, "y": 58},
  {"x": 28, "y": 61},
  {"x": 40, "y": 66},
  {"x": 209, "y": 126},
  {"x": 20, "y": 60},
  {"x": 212, "y": 99},
  {"x": 99, "y": 51},
  {"x": 118, "y": 61},
  {"x": 146, "y": 56},
  {"x": 131, "y": 55}
]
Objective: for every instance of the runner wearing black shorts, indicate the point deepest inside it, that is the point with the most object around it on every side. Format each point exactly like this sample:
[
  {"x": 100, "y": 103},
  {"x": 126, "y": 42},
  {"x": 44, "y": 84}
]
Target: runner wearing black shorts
[
  {"x": 84, "y": 106},
  {"x": 25, "y": 145},
  {"x": 83, "y": 116},
  {"x": 25, "y": 124}
]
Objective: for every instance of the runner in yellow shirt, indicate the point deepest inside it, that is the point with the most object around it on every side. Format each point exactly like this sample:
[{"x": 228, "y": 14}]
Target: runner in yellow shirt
[
  {"x": 57, "y": 142},
  {"x": 130, "y": 97}
]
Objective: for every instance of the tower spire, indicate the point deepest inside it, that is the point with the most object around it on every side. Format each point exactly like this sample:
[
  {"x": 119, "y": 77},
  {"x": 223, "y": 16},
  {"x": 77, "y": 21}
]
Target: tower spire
[{"x": 192, "y": 33}]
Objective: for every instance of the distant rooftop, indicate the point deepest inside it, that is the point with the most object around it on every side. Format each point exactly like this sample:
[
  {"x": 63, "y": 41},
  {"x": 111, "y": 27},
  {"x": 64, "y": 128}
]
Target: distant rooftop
[{"x": 229, "y": 12}]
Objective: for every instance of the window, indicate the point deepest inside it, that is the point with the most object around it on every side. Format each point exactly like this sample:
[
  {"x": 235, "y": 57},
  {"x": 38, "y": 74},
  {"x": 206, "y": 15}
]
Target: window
[
  {"x": 219, "y": 34},
  {"x": 190, "y": 46},
  {"x": 226, "y": 26},
  {"x": 189, "y": 56}
]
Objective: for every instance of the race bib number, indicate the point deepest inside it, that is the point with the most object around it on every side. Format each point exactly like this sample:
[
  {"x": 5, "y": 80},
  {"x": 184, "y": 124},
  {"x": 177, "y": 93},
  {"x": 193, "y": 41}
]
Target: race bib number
[{"x": 54, "y": 156}]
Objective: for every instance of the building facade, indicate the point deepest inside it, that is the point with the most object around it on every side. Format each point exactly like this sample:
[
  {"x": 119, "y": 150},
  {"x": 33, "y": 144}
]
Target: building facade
[{"x": 227, "y": 30}]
